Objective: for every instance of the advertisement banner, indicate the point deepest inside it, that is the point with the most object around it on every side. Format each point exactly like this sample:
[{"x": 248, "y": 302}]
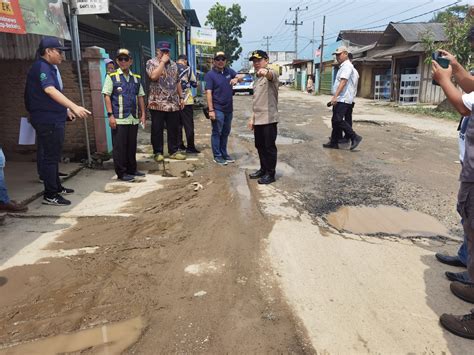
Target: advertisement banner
[
  {"x": 11, "y": 20},
  {"x": 91, "y": 7},
  {"x": 45, "y": 17},
  {"x": 203, "y": 36}
]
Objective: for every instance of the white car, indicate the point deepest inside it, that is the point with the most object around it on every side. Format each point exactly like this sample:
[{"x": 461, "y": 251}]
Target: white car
[{"x": 246, "y": 85}]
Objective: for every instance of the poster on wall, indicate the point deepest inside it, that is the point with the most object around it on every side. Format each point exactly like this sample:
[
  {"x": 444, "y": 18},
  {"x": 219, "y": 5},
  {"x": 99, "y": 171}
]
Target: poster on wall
[
  {"x": 11, "y": 19},
  {"x": 45, "y": 17},
  {"x": 203, "y": 36},
  {"x": 91, "y": 7}
]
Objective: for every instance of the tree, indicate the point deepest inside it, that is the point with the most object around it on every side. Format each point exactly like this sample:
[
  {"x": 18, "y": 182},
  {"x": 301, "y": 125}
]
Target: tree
[
  {"x": 458, "y": 12},
  {"x": 456, "y": 22},
  {"x": 227, "y": 23}
]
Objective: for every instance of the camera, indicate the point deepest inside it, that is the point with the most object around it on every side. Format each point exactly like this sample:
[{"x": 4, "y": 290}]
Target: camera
[{"x": 443, "y": 62}]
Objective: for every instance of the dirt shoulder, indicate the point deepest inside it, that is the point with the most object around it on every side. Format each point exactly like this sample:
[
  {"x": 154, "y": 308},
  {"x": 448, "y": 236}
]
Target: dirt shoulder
[{"x": 189, "y": 264}]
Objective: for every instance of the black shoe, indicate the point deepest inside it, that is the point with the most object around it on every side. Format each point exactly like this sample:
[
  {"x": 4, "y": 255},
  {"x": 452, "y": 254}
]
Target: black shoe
[
  {"x": 257, "y": 174},
  {"x": 331, "y": 145},
  {"x": 137, "y": 173},
  {"x": 356, "y": 141},
  {"x": 462, "y": 277},
  {"x": 192, "y": 151},
  {"x": 344, "y": 140},
  {"x": 266, "y": 179},
  {"x": 127, "y": 178},
  {"x": 449, "y": 260},
  {"x": 56, "y": 200},
  {"x": 65, "y": 191},
  {"x": 182, "y": 147},
  {"x": 462, "y": 325},
  {"x": 62, "y": 174}
]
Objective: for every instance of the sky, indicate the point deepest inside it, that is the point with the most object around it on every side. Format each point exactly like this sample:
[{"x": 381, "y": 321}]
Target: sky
[{"x": 267, "y": 18}]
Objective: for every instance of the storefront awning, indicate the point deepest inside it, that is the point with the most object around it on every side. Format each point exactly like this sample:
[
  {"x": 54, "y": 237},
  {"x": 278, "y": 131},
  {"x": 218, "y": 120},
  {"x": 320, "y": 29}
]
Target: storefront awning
[{"x": 136, "y": 13}]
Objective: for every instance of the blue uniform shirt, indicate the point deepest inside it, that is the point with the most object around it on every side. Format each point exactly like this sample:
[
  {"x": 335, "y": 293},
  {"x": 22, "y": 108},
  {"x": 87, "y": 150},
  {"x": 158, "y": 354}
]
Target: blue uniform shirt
[
  {"x": 42, "y": 108},
  {"x": 219, "y": 83}
]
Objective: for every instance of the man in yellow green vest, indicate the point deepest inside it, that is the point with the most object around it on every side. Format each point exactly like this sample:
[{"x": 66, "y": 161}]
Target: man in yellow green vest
[{"x": 124, "y": 100}]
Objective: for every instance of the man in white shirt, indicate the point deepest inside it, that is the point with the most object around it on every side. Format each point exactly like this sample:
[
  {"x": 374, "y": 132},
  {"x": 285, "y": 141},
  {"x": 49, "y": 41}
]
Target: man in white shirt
[{"x": 344, "y": 90}]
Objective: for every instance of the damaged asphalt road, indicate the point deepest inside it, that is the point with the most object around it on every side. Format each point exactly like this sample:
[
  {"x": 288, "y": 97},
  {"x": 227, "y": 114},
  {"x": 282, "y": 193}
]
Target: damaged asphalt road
[{"x": 199, "y": 259}]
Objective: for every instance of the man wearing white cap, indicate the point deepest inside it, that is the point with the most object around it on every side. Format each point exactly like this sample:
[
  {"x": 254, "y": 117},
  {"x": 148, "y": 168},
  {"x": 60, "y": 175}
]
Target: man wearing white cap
[{"x": 344, "y": 90}]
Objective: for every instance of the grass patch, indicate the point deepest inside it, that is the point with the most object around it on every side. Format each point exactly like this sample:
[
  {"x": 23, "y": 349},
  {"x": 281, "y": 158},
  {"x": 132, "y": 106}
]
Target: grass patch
[{"x": 428, "y": 111}]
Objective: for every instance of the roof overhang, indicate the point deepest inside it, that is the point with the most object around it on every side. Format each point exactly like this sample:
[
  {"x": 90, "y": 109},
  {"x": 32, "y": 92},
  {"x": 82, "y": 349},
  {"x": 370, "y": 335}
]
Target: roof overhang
[
  {"x": 136, "y": 14},
  {"x": 191, "y": 18}
]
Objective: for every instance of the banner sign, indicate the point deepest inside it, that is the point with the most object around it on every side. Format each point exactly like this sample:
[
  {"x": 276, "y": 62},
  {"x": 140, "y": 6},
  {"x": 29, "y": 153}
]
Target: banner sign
[
  {"x": 91, "y": 7},
  {"x": 11, "y": 20},
  {"x": 45, "y": 18},
  {"x": 203, "y": 36}
]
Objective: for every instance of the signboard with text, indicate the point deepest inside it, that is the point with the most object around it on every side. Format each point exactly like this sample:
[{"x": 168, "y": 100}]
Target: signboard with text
[
  {"x": 203, "y": 36},
  {"x": 91, "y": 7},
  {"x": 11, "y": 19},
  {"x": 45, "y": 18}
]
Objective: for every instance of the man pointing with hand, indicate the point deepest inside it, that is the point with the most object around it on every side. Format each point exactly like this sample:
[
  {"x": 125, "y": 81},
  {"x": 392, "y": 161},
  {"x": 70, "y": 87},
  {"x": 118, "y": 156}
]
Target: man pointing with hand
[{"x": 49, "y": 109}]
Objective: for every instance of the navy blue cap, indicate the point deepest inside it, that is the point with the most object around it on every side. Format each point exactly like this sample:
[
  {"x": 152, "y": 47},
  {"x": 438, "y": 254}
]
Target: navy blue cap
[
  {"x": 52, "y": 42},
  {"x": 164, "y": 46}
]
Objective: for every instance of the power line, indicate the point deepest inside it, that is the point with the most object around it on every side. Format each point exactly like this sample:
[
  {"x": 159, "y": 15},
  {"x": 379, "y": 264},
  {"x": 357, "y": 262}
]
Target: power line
[{"x": 333, "y": 35}]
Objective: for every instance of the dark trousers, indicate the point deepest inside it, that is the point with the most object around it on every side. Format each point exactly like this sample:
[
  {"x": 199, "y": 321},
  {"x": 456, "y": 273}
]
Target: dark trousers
[
  {"x": 124, "y": 141},
  {"x": 186, "y": 121},
  {"x": 158, "y": 121},
  {"x": 466, "y": 210},
  {"x": 339, "y": 125},
  {"x": 50, "y": 139},
  {"x": 348, "y": 117},
  {"x": 265, "y": 138}
]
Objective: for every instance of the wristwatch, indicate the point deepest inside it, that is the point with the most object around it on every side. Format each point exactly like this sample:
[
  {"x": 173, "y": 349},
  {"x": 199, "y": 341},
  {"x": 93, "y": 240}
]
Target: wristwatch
[{"x": 109, "y": 114}]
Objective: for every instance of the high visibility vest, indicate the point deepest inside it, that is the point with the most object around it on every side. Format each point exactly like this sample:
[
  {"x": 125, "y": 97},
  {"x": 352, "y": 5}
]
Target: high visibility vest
[{"x": 124, "y": 95}]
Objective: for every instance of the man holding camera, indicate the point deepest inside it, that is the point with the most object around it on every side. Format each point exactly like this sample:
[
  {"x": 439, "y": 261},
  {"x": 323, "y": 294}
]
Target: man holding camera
[{"x": 462, "y": 325}]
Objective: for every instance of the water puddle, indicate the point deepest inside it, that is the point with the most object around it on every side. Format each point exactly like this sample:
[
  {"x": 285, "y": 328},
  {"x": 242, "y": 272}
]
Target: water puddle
[
  {"x": 107, "y": 339},
  {"x": 386, "y": 220},
  {"x": 281, "y": 140}
]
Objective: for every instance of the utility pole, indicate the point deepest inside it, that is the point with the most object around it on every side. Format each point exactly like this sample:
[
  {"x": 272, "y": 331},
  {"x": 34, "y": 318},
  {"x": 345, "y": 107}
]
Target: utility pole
[
  {"x": 267, "y": 38},
  {"x": 312, "y": 44},
  {"x": 321, "y": 68},
  {"x": 296, "y": 24}
]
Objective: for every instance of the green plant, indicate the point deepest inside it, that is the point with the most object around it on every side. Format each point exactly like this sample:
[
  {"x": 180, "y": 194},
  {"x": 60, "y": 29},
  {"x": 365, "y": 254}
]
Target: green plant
[{"x": 227, "y": 23}]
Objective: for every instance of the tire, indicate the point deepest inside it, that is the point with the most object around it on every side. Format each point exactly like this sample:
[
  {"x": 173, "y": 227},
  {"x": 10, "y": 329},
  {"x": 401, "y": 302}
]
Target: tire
[{"x": 250, "y": 92}]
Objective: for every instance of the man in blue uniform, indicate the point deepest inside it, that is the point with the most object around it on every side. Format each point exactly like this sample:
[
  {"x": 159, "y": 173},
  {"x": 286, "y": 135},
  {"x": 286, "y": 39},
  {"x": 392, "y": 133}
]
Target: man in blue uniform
[
  {"x": 123, "y": 94},
  {"x": 49, "y": 109}
]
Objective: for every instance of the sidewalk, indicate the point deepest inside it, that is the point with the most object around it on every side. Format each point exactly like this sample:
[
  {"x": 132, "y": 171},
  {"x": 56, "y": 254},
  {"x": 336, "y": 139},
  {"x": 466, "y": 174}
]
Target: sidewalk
[{"x": 23, "y": 182}]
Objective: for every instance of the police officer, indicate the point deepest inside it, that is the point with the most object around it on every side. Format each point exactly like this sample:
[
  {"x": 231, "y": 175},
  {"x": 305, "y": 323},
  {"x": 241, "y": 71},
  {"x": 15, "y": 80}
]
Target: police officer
[
  {"x": 123, "y": 95},
  {"x": 49, "y": 109}
]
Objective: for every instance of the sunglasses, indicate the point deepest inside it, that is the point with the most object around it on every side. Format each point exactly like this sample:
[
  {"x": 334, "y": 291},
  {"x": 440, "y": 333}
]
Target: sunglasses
[
  {"x": 220, "y": 59},
  {"x": 123, "y": 59},
  {"x": 58, "y": 50}
]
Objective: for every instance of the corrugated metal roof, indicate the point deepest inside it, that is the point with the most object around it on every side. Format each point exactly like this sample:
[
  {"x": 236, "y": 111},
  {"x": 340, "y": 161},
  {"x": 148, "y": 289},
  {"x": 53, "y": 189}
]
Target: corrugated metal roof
[
  {"x": 22, "y": 47},
  {"x": 412, "y": 32},
  {"x": 358, "y": 37},
  {"x": 407, "y": 48}
]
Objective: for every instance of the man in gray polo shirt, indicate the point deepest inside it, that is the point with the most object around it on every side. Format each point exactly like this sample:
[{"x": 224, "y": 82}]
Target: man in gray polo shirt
[
  {"x": 344, "y": 90},
  {"x": 265, "y": 117}
]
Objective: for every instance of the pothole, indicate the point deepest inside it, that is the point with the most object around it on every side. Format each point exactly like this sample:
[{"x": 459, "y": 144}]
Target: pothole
[{"x": 387, "y": 220}]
